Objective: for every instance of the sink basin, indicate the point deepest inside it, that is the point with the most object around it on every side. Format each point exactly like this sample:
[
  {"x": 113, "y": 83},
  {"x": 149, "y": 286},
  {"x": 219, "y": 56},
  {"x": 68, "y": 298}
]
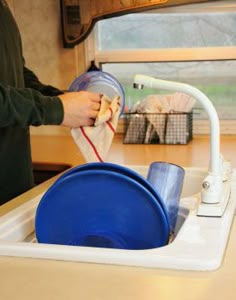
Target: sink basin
[{"x": 199, "y": 242}]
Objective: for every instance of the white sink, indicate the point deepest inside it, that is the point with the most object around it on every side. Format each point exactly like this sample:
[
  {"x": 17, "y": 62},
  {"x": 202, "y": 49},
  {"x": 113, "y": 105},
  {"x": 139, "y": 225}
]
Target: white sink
[{"x": 199, "y": 242}]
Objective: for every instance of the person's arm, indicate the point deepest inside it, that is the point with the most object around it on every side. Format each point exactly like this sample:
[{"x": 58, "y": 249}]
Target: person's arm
[
  {"x": 32, "y": 81},
  {"x": 24, "y": 107}
]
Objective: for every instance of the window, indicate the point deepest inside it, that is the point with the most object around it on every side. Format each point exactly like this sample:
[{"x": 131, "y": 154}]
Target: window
[
  {"x": 195, "y": 45},
  {"x": 167, "y": 30}
]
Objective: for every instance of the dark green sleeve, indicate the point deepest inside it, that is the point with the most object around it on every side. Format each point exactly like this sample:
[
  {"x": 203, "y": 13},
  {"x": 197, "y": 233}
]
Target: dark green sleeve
[
  {"x": 32, "y": 81},
  {"x": 24, "y": 107}
]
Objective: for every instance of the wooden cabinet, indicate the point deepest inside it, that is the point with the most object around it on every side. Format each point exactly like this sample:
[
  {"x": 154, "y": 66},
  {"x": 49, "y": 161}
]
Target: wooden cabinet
[{"x": 79, "y": 16}]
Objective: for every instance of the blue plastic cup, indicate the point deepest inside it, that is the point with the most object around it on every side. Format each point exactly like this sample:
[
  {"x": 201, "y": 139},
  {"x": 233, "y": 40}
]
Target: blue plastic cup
[{"x": 167, "y": 179}]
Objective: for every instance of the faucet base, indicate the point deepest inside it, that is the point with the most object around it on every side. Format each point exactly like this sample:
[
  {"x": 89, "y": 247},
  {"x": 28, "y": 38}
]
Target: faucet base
[{"x": 216, "y": 209}]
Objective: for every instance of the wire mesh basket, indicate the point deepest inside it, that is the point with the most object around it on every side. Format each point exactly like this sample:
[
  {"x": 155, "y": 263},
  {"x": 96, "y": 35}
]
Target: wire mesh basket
[{"x": 158, "y": 128}]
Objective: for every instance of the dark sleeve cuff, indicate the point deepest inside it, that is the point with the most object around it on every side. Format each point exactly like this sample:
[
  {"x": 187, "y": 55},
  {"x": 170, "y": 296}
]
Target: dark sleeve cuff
[{"x": 54, "y": 112}]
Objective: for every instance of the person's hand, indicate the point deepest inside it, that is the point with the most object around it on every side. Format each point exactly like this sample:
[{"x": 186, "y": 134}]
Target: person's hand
[{"x": 80, "y": 108}]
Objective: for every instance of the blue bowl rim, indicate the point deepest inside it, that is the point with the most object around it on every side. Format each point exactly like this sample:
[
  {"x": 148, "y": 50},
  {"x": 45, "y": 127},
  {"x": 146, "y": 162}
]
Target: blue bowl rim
[{"x": 122, "y": 170}]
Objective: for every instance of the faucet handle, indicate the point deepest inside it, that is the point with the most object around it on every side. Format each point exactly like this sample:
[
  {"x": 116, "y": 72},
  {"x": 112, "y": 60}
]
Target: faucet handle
[{"x": 212, "y": 187}]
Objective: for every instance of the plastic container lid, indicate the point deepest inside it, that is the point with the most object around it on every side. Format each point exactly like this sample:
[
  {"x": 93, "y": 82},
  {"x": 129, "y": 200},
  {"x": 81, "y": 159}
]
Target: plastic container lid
[
  {"x": 99, "y": 82},
  {"x": 101, "y": 208}
]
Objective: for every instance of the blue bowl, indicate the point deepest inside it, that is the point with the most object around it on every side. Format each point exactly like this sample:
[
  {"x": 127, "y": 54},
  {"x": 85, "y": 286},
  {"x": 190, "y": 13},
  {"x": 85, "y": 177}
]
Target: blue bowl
[
  {"x": 120, "y": 170},
  {"x": 101, "y": 208},
  {"x": 101, "y": 83}
]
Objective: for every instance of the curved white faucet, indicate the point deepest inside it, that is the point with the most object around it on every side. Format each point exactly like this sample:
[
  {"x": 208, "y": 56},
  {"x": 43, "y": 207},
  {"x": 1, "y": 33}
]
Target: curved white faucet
[{"x": 212, "y": 185}]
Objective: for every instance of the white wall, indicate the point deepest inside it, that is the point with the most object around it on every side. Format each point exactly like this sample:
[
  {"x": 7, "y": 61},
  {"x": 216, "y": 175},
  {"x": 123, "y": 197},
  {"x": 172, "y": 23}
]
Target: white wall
[{"x": 39, "y": 24}]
